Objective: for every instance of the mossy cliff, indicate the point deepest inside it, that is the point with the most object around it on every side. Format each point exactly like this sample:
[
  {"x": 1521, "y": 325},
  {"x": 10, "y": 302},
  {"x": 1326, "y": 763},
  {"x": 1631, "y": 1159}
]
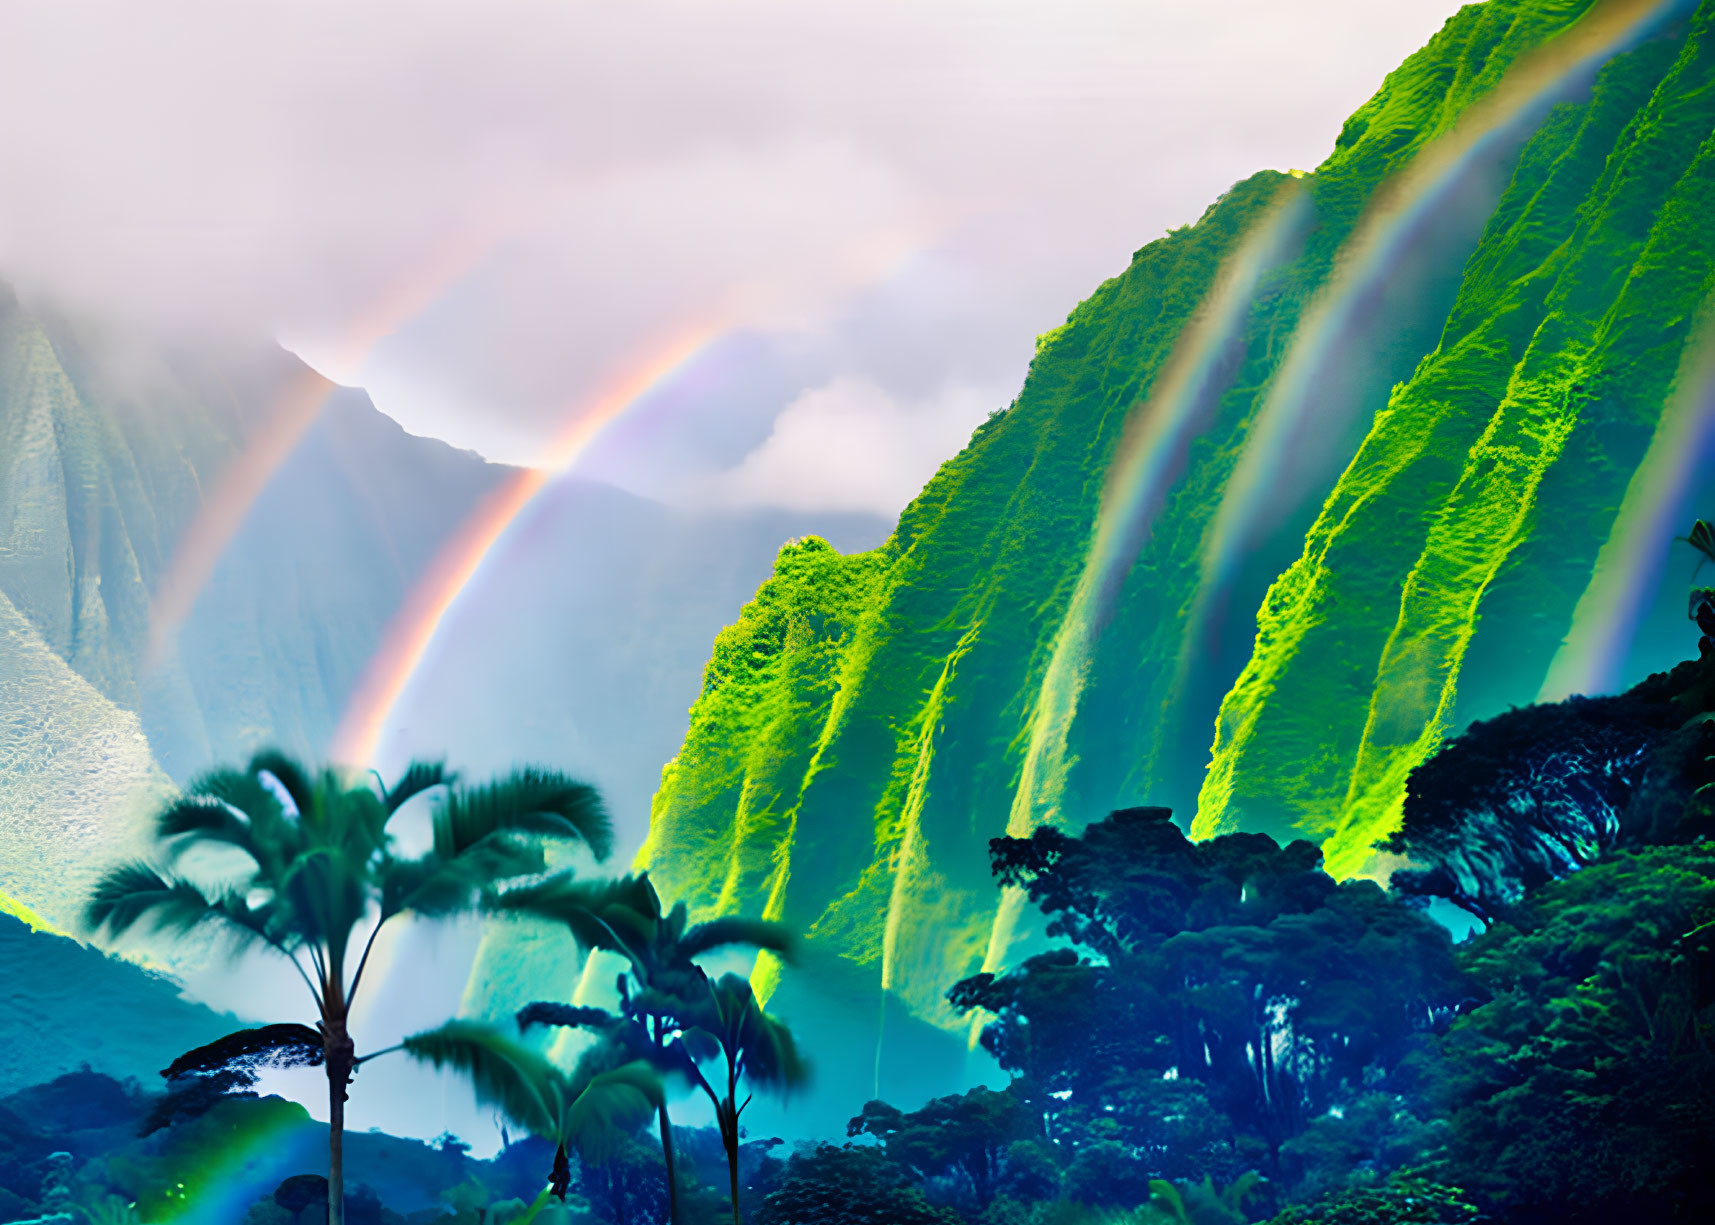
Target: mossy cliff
[{"x": 863, "y": 725}]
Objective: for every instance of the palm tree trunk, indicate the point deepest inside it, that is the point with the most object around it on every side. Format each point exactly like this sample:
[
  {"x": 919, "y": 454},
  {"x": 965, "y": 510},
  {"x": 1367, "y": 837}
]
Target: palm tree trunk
[
  {"x": 727, "y": 1116},
  {"x": 667, "y": 1154},
  {"x": 341, "y": 1059},
  {"x": 336, "y": 1150},
  {"x": 732, "y": 1169},
  {"x": 560, "y": 1181}
]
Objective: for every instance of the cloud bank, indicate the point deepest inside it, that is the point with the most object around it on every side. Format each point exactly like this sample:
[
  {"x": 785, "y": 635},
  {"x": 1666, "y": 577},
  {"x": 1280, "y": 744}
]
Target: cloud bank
[{"x": 482, "y": 211}]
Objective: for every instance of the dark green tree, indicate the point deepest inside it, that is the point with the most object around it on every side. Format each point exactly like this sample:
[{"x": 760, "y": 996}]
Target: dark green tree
[
  {"x": 1376, "y": 1135},
  {"x": 628, "y": 1187},
  {"x": 662, "y": 989},
  {"x": 1233, "y": 963},
  {"x": 969, "y": 1134},
  {"x": 1107, "y": 1174},
  {"x": 1583, "y": 1086},
  {"x": 848, "y": 1186},
  {"x": 1525, "y": 798},
  {"x": 1400, "y": 1201},
  {"x": 307, "y": 865}
]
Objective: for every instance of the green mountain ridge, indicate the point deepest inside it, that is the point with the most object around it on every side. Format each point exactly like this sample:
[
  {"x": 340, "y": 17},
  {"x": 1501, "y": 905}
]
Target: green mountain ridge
[{"x": 863, "y": 726}]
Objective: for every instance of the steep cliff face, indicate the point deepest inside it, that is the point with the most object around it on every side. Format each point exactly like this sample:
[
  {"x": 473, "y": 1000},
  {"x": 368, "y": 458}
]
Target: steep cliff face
[
  {"x": 1472, "y": 426},
  {"x": 1469, "y": 520},
  {"x": 88, "y": 502},
  {"x": 304, "y": 590},
  {"x": 108, "y": 449}
]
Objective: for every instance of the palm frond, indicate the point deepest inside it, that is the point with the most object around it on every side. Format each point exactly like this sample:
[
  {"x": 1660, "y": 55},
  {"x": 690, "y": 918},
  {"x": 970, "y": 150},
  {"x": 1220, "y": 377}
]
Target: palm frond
[
  {"x": 1702, "y": 538},
  {"x": 240, "y": 790},
  {"x": 545, "y": 1012},
  {"x": 609, "y": 1106},
  {"x": 224, "y": 806},
  {"x": 294, "y": 780},
  {"x": 535, "y": 1208},
  {"x": 762, "y": 1045},
  {"x": 775, "y": 938},
  {"x": 197, "y": 818},
  {"x": 673, "y": 926},
  {"x": 288, "y": 1045},
  {"x": 237, "y": 808},
  {"x": 419, "y": 776},
  {"x": 355, "y": 818},
  {"x": 131, "y": 893},
  {"x": 637, "y": 928},
  {"x": 429, "y": 886},
  {"x": 530, "y": 801},
  {"x": 583, "y": 906},
  {"x": 326, "y": 895},
  {"x": 266, "y": 920},
  {"x": 515, "y": 1080}
]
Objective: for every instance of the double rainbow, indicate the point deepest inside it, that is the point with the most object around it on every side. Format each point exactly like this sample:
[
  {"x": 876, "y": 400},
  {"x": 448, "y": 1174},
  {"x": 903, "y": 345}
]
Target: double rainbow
[
  {"x": 1152, "y": 447},
  {"x": 1151, "y": 451},
  {"x": 1372, "y": 254},
  {"x": 407, "y": 638},
  {"x": 284, "y": 424}
]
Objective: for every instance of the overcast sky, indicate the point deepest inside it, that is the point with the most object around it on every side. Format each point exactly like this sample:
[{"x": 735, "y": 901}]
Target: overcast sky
[{"x": 484, "y": 210}]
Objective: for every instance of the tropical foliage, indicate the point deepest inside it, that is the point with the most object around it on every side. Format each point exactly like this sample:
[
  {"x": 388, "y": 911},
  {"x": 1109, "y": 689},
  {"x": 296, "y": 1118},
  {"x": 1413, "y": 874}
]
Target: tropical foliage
[
  {"x": 1227, "y": 994},
  {"x": 588, "y": 1112},
  {"x": 1218, "y": 1033},
  {"x": 310, "y": 867},
  {"x": 670, "y": 1012}
]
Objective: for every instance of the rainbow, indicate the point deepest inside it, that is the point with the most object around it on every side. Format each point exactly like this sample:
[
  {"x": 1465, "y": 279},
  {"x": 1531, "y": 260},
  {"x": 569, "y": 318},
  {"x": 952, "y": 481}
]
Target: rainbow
[
  {"x": 1152, "y": 447},
  {"x": 413, "y": 627},
  {"x": 1386, "y": 232},
  {"x": 284, "y": 424},
  {"x": 1604, "y": 624},
  {"x": 1151, "y": 450},
  {"x": 406, "y": 641},
  {"x": 411, "y": 632},
  {"x": 216, "y": 1188}
]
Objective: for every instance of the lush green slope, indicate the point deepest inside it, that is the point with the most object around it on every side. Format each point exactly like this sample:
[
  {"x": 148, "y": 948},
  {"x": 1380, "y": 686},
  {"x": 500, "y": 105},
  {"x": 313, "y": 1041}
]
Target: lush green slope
[
  {"x": 1532, "y": 410},
  {"x": 863, "y": 726}
]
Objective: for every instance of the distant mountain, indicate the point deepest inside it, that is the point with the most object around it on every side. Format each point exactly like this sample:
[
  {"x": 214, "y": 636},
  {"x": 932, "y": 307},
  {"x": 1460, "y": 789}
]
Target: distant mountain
[
  {"x": 302, "y": 593},
  {"x": 1474, "y": 426},
  {"x": 109, "y": 448},
  {"x": 582, "y": 641},
  {"x": 580, "y": 645},
  {"x": 93, "y": 484},
  {"x": 64, "y": 1006}
]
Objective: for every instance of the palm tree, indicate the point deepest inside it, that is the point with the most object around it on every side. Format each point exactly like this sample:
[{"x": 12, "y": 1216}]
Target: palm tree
[
  {"x": 587, "y": 1111},
  {"x": 751, "y": 1046},
  {"x": 316, "y": 863},
  {"x": 662, "y": 984}
]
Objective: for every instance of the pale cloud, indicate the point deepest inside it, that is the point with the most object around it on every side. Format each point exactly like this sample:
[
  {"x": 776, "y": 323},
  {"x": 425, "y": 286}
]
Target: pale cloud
[
  {"x": 485, "y": 210},
  {"x": 849, "y": 445}
]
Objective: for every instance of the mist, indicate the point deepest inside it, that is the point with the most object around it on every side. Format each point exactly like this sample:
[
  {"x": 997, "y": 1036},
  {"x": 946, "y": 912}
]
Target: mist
[{"x": 479, "y": 212}]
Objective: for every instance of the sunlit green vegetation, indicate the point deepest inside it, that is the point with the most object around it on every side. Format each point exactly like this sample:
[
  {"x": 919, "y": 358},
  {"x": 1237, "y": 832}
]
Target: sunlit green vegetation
[
  {"x": 863, "y": 723},
  {"x": 1214, "y": 1032},
  {"x": 1217, "y": 1030}
]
